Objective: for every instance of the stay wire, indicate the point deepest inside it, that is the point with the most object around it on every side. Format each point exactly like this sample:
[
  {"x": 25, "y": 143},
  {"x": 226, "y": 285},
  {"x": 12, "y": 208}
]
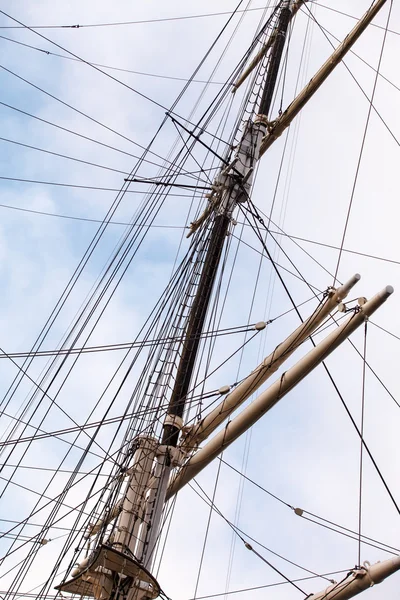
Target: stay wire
[
  {"x": 238, "y": 532},
  {"x": 254, "y": 212},
  {"x": 96, "y": 64},
  {"x": 291, "y": 238},
  {"x": 364, "y": 93},
  {"x": 351, "y": 51},
  {"x": 396, "y": 337},
  {"x": 110, "y": 129},
  {"x": 265, "y": 256},
  {"x": 65, "y": 156},
  {"x": 361, "y": 152},
  {"x": 254, "y": 483},
  {"x": 273, "y": 262},
  {"x": 85, "y": 137},
  {"x": 347, "y": 410},
  {"x": 52, "y": 402},
  {"x": 301, "y": 239},
  {"x": 90, "y": 187},
  {"x": 250, "y": 547},
  {"x": 98, "y": 317},
  {"x": 140, "y": 22},
  {"x": 211, "y": 505},
  {"x": 141, "y": 94},
  {"x": 339, "y": 12},
  {"x": 381, "y": 545},
  {"x": 127, "y": 345},
  {"x": 268, "y": 585},
  {"x": 361, "y": 441},
  {"x": 353, "y": 535},
  {"x": 168, "y": 111}
]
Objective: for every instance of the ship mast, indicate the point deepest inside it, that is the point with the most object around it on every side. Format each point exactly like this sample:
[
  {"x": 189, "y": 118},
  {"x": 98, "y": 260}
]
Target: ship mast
[
  {"x": 121, "y": 568},
  {"x": 237, "y": 181}
]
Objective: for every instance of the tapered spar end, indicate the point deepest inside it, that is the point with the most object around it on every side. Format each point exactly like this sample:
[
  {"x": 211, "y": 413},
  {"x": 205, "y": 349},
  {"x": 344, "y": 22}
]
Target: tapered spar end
[
  {"x": 359, "y": 580},
  {"x": 341, "y": 293},
  {"x": 377, "y": 301},
  {"x": 385, "y": 293},
  {"x": 389, "y": 290}
]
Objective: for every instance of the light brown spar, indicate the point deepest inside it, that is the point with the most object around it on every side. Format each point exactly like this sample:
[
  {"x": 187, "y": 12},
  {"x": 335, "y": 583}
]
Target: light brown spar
[
  {"x": 260, "y": 55},
  {"x": 268, "y": 367},
  {"x": 267, "y": 399},
  {"x": 278, "y": 126}
]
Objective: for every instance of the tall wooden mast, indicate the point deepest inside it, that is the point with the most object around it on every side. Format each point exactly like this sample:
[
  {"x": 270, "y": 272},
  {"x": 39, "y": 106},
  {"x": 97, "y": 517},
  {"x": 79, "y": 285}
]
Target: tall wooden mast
[{"x": 121, "y": 567}]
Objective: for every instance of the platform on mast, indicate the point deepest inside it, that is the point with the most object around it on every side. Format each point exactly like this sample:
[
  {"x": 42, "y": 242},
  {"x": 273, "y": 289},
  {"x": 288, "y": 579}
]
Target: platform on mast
[{"x": 106, "y": 558}]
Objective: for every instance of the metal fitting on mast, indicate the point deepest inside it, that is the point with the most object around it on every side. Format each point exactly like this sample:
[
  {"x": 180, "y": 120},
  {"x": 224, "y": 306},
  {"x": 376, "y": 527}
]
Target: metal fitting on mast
[{"x": 233, "y": 184}]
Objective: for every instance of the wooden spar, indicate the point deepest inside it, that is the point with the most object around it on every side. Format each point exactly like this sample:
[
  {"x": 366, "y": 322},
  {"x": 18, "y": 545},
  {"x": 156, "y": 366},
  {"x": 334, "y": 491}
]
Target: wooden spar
[
  {"x": 268, "y": 367},
  {"x": 278, "y": 126},
  {"x": 359, "y": 580},
  {"x": 250, "y": 415},
  {"x": 260, "y": 55}
]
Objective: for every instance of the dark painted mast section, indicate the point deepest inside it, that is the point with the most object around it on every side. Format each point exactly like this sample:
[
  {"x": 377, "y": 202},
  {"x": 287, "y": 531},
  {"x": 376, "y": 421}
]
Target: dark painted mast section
[
  {"x": 210, "y": 267},
  {"x": 275, "y": 60},
  {"x": 195, "y": 326}
]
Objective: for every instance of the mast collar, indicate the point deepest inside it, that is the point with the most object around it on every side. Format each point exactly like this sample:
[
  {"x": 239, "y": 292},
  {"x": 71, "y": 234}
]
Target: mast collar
[
  {"x": 174, "y": 421},
  {"x": 263, "y": 119}
]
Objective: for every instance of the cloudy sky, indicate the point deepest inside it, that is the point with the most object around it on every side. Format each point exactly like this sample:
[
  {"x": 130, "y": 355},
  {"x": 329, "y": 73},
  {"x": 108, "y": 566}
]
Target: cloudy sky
[{"x": 306, "y": 450}]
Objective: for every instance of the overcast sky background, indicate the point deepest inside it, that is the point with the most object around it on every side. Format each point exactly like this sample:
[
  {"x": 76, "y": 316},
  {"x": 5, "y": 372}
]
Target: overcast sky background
[{"x": 305, "y": 450}]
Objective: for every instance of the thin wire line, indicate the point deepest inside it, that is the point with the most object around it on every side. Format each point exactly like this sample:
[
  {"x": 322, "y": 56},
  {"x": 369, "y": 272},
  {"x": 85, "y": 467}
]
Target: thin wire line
[
  {"x": 79, "y": 160},
  {"x": 386, "y": 330},
  {"x": 378, "y": 114},
  {"x": 108, "y": 75},
  {"x": 302, "y": 239},
  {"x": 389, "y": 549},
  {"x": 370, "y": 107},
  {"x": 53, "y": 402},
  {"x": 129, "y": 87},
  {"x": 362, "y": 442},
  {"x": 85, "y": 137},
  {"x": 379, "y": 472},
  {"x": 339, "y": 12},
  {"x": 250, "y": 547},
  {"x": 357, "y": 55},
  {"x": 161, "y": 20},
  {"x": 156, "y": 75},
  {"x": 127, "y": 345},
  {"x": 346, "y": 408},
  {"x": 212, "y": 504},
  {"x": 238, "y": 532},
  {"x": 382, "y": 545},
  {"x": 256, "y": 484},
  {"x": 126, "y": 223},
  {"x": 92, "y": 187},
  {"x": 180, "y": 18},
  {"x": 268, "y": 585}
]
